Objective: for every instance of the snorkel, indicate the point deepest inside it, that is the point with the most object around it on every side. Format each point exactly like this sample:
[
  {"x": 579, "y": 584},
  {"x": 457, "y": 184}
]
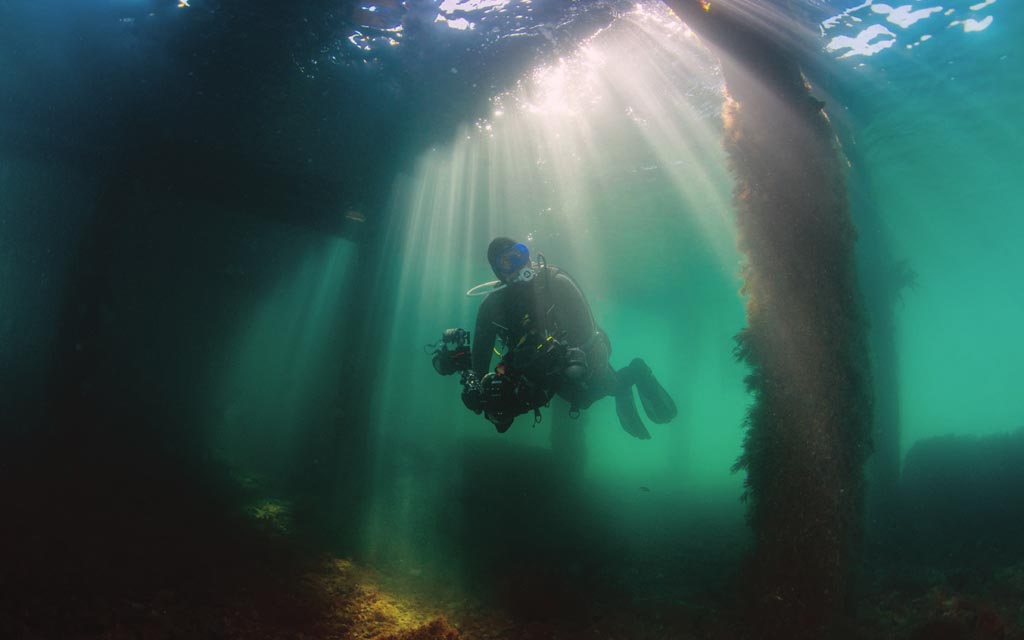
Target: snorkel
[{"x": 511, "y": 263}]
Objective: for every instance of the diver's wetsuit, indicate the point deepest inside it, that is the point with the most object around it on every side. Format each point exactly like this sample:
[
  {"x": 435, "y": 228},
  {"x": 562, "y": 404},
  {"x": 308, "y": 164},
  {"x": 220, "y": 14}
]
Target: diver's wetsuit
[{"x": 553, "y": 305}]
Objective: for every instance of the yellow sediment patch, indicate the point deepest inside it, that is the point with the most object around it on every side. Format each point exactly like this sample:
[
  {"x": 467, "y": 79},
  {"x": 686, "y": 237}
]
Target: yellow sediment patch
[{"x": 363, "y": 609}]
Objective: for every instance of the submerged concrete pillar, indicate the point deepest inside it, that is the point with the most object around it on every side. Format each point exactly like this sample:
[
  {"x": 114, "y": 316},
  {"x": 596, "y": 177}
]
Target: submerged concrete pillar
[{"x": 808, "y": 430}]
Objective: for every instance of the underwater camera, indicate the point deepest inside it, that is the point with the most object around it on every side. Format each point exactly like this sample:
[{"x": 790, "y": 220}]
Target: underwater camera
[{"x": 452, "y": 354}]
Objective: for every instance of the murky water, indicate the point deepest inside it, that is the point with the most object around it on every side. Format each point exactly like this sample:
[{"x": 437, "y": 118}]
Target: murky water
[{"x": 229, "y": 230}]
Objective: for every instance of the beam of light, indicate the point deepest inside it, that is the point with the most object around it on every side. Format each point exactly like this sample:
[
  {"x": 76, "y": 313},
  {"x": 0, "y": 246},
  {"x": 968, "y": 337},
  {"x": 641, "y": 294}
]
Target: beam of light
[
  {"x": 281, "y": 378},
  {"x": 607, "y": 160}
]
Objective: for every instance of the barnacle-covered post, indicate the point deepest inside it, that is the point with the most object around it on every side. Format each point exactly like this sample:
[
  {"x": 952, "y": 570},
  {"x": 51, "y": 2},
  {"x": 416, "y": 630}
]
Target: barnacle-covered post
[{"x": 808, "y": 429}]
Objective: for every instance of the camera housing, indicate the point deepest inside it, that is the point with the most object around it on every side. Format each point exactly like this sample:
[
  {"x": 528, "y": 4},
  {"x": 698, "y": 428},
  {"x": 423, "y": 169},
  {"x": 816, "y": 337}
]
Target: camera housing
[{"x": 453, "y": 353}]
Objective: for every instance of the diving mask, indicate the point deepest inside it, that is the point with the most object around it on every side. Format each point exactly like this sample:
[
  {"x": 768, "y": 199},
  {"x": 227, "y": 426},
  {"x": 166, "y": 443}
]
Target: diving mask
[{"x": 513, "y": 265}]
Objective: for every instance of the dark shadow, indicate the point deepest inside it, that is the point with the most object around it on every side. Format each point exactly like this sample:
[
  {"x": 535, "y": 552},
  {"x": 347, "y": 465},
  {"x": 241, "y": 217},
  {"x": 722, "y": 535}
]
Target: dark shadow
[{"x": 963, "y": 501}]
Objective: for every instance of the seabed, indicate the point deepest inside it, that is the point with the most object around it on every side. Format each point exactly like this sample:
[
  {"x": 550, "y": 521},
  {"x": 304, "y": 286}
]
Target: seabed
[{"x": 175, "y": 566}]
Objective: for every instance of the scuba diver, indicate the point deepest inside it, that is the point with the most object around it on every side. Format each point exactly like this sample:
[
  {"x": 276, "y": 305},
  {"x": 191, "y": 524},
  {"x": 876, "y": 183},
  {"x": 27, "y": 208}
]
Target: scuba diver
[{"x": 552, "y": 347}]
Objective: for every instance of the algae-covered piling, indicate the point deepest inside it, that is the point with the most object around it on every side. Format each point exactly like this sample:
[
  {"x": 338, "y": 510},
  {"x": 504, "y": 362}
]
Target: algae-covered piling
[{"x": 808, "y": 429}]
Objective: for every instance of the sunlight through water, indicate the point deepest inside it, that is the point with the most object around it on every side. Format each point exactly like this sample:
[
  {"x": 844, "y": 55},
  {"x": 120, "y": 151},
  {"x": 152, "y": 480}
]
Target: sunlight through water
[
  {"x": 608, "y": 161},
  {"x": 280, "y": 383}
]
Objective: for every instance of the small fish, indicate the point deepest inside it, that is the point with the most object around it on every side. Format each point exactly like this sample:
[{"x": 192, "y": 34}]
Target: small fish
[
  {"x": 183, "y": 3},
  {"x": 645, "y": 489}
]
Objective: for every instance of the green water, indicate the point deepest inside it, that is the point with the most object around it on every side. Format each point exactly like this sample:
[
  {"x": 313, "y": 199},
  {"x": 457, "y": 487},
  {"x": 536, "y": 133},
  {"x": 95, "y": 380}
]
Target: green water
[
  {"x": 940, "y": 139},
  {"x": 620, "y": 180},
  {"x": 283, "y": 345},
  {"x": 611, "y": 166}
]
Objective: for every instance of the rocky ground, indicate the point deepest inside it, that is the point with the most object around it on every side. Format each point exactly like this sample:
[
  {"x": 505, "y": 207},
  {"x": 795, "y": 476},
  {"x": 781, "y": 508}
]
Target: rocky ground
[
  {"x": 258, "y": 589},
  {"x": 949, "y": 604},
  {"x": 163, "y": 565}
]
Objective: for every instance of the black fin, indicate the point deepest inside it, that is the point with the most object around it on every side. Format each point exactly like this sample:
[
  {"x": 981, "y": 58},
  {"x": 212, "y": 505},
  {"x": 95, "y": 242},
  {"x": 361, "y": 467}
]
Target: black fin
[
  {"x": 658, "y": 405},
  {"x": 629, "y": 418}
]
